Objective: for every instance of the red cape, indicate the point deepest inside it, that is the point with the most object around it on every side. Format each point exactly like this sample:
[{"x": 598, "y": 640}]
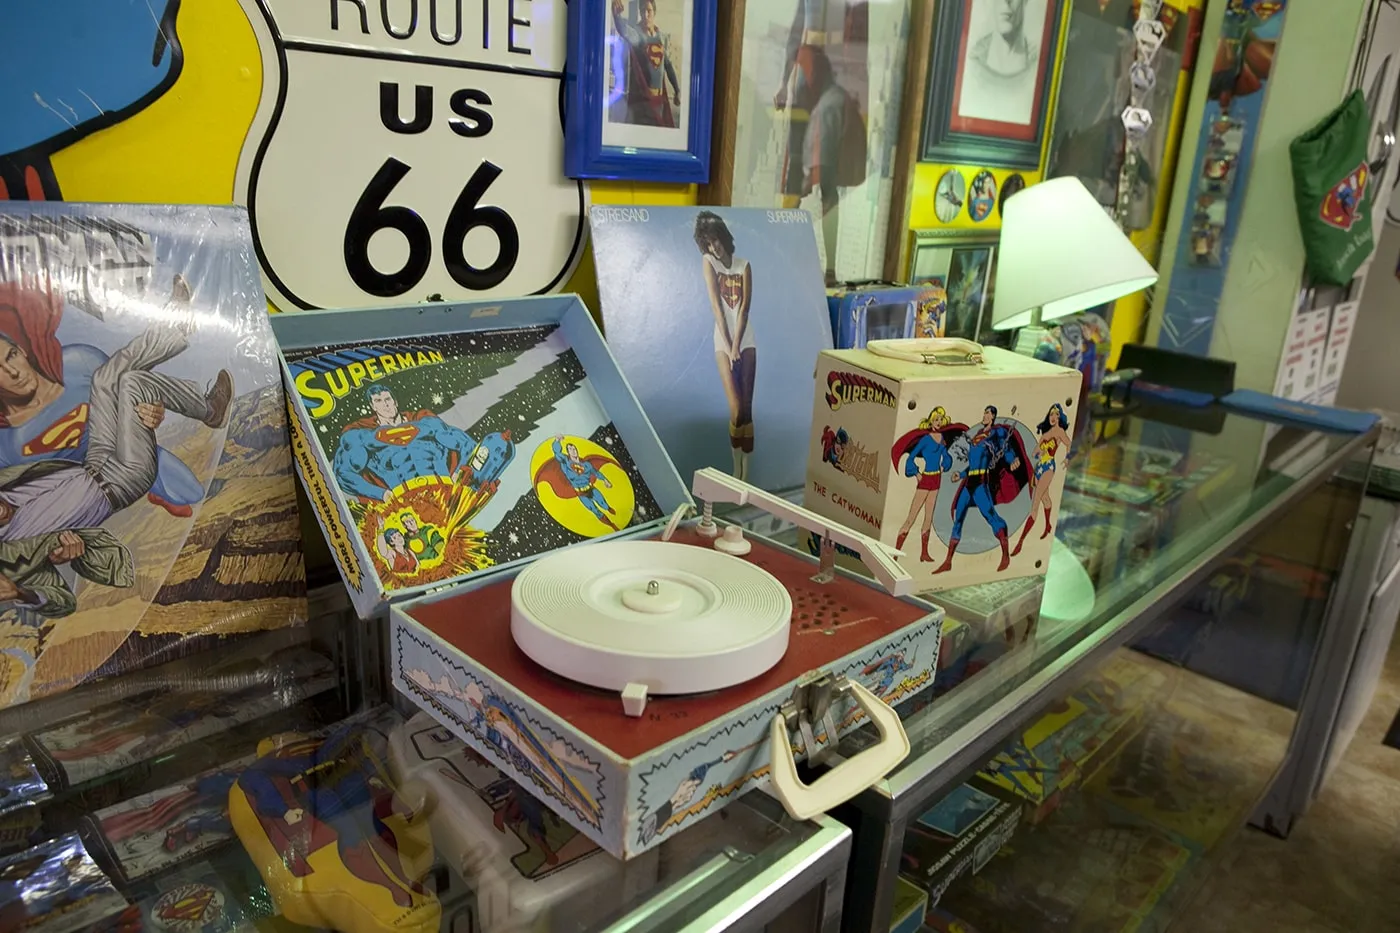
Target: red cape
[
  {"x": 552, "y": 473},
  {"x": 29, "y": 318},
  {"x": 906, "y": 441}
]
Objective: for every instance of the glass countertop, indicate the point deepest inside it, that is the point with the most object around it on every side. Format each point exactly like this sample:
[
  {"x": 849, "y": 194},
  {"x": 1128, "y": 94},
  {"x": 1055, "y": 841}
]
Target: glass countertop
[{"x": 1146, "y": 514}]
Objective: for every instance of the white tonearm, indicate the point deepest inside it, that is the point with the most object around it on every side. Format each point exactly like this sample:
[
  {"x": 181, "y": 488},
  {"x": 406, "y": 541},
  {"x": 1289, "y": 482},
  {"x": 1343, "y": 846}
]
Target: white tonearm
[{"x": 710, "y": 486}]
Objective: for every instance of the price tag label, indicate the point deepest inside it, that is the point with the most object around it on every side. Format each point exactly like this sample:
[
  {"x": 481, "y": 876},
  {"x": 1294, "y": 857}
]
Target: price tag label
[{"x": 407, "y": 149}]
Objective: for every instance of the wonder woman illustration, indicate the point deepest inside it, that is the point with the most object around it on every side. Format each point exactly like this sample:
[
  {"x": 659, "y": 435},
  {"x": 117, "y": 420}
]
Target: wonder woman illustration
[
  {"x": 729, "y": 280},
  {"x": 1054, "y": 436},
  {"x": 926, "y": 445}
]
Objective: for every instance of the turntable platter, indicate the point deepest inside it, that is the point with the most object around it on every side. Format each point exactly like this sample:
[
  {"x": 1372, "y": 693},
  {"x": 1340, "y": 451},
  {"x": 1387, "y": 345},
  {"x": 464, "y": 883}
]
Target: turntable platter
[{"x": 675, "y": 618}]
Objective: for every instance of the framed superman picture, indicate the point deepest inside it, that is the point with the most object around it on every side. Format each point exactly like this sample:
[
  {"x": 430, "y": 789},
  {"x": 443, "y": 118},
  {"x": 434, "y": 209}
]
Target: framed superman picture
[{"x": 989, "y": 81}]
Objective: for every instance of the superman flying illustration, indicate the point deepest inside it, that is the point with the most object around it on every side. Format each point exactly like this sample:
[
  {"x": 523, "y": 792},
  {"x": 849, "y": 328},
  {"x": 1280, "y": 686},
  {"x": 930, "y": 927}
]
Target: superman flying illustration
[
  {"x": 574, "y": 476},
  {"x": 46, "y": 393}
]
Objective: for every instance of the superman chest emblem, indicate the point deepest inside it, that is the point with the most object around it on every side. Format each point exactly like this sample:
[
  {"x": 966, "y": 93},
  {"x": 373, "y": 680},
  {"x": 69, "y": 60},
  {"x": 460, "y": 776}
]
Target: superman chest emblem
[
  {"x": 656, "y": 53},
  {"x": 64, "y": 434},
  {"x": 731, "y": 289},
  {"x": 399, "y": 435}
]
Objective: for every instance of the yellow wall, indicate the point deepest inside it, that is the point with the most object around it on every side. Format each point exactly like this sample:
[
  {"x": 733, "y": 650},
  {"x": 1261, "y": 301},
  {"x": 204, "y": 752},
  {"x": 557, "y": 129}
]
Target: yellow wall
[{"x": 184, "y": 147}]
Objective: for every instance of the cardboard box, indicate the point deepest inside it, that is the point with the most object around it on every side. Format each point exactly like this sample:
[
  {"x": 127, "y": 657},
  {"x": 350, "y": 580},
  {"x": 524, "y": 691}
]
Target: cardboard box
[
  {"x": 962, "y": 450},
  {"x": 503, "y": 387},
  {"x": 910, "y": 902},
  {"x": 1066, "y": 746},
  {"x": 959, "y": 835},
  {"x": 880, "y": 311},
  {"x": 525, "y": 864}
]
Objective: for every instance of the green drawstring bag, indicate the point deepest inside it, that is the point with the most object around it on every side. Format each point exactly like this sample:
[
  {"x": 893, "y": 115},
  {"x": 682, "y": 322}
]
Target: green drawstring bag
[{"x": 1332, "y": 185}]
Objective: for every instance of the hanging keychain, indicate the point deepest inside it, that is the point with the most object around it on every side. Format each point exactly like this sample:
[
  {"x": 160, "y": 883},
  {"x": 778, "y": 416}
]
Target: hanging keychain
[{"x": 1149, "y": 34}]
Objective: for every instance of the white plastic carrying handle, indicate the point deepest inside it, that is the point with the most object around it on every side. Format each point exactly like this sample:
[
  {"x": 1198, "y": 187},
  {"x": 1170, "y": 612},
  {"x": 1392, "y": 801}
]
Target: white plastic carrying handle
[
  {"x": 850, "y": 777},
  {"x": 929, "y": 350}
]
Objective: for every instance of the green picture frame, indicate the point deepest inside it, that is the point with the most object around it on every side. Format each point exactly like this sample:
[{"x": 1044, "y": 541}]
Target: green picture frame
[{"x": 990, "y": 77}]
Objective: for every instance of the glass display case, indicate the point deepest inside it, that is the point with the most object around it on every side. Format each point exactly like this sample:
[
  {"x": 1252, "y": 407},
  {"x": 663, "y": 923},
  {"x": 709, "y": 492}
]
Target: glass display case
[
  {"x": 1183, "y": 659},
  {"x": 1092, "y": 741},
  {"x": 252, "y": 790}
]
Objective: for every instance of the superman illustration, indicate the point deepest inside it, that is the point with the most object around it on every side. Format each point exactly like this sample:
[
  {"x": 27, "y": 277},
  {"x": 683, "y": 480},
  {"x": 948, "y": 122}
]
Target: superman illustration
[
  {"x": 1342, "y": 205},
  {"x": 46, "y": 395},
  {"x": 573, "y": 476},
  {"x": 206, "y": 796},
  {"x": 997, "y": 471},
  {"x": 378, "y": 454},
  {"x": 526, "y": 814},
  {"x": 884, "y": 672},
  {"x": 66, "y": 81},
  {"x": 315, "y": 793}
]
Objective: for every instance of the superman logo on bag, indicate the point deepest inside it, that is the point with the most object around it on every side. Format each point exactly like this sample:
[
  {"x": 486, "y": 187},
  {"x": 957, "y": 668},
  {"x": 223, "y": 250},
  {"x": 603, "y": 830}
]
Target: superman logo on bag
[
  {"x": 1341, "y": 207},
  {"x": 402, "y": 149}
]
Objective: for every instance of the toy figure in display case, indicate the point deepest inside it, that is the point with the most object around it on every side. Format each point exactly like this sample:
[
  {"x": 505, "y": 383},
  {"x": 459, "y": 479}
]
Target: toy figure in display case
[{"x": 335, "y": 845}]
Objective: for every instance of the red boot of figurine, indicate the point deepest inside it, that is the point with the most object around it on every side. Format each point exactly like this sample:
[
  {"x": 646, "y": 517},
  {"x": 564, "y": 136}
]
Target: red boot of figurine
[
  {"x": 899, "y": 542},
  {"x": 926, "y": 557},
  {"x": 1048, "y": 529},
  {"x": 1025, "y": 530},
  {"x": 1005, "y": 554},
  {"x": 948, "y": 561}
]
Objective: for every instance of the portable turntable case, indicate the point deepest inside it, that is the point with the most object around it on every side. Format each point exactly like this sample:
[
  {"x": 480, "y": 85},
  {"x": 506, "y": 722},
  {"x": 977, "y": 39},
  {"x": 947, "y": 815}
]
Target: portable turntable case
[
  {"x": 645, "y": 778},
  {"x": 872, "y": 463}
]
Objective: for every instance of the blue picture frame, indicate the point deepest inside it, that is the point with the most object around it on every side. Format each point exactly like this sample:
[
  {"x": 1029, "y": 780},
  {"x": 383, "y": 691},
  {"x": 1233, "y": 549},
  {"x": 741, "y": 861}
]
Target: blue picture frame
[{"x": 585, "y": 153}]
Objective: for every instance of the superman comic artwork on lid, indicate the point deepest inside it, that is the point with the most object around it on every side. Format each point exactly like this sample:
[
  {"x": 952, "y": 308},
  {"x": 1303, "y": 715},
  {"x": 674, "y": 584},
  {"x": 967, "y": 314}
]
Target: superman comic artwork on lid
[{"x": 460, "y": 452}]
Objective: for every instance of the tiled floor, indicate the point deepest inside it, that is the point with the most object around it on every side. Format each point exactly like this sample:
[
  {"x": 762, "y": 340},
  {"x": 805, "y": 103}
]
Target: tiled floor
[{"x": 1338, "y": 870}]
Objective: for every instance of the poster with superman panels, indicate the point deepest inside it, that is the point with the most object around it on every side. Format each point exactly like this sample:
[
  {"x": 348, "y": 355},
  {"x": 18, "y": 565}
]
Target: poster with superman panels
[
  {"x": 147, "y": 505},
  {"x": 959, "y": 465},
  {"x": 716, "y": 316}
]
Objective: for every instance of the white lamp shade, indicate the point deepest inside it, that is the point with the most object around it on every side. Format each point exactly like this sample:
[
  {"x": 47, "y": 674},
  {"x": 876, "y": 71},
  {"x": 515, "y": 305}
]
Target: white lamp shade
[{"x": 1062, "y": 253}]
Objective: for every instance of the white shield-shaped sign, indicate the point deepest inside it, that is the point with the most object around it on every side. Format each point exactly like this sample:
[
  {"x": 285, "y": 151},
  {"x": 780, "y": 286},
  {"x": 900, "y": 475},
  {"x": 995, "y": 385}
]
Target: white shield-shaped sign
[{"x": 406, "y": 148}]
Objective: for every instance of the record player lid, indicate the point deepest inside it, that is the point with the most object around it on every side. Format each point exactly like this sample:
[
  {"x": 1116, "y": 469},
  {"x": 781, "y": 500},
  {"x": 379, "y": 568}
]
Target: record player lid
[{"x": 444, "y": 441}]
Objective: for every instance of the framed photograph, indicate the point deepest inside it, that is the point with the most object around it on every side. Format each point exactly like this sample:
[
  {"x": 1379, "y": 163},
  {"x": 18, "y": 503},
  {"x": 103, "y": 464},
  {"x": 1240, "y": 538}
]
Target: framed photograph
[
  {"x": 808, "y": 116},
  {"x": 640, "y": 80},
  {"x": 965, "y": 270},
  {"x": 989, "y": 80}
]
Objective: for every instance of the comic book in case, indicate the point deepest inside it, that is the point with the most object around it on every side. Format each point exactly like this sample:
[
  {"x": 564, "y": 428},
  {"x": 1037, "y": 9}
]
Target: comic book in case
[
  {"x": 147, "y": 505},
  {"x": 457, "y": 456}
]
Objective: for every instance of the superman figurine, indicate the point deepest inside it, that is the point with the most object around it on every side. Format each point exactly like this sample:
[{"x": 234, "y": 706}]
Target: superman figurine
[{"x": 333, "y": 844}]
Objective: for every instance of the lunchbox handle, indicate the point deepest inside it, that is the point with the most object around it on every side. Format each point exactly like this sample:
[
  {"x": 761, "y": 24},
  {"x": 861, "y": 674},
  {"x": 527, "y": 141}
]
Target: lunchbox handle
[
  {"x": 931, "y": 351},
  {"x": 850, "y": 777}
]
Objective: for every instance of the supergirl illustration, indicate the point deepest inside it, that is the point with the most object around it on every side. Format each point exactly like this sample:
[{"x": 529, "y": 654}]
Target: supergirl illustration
[{"x": 996, "y": 472}]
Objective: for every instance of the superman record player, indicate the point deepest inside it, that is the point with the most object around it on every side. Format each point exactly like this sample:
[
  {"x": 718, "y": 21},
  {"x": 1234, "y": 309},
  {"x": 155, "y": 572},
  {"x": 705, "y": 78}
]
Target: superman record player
[{"x": 486, "y": 478}]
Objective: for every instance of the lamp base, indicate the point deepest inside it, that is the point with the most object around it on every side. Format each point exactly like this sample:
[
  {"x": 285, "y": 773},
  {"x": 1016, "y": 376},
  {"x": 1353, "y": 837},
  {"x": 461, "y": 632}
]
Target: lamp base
[{"x": 1029, "y": 338}]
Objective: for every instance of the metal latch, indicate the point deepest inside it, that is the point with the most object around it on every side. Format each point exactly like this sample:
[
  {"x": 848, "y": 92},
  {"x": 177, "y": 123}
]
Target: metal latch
[{"x": 812, "y": 701}]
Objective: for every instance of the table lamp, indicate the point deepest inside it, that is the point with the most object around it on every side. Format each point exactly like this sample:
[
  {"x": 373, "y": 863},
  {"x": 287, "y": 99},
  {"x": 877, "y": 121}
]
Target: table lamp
[{"x": 1060, "y": 253}]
